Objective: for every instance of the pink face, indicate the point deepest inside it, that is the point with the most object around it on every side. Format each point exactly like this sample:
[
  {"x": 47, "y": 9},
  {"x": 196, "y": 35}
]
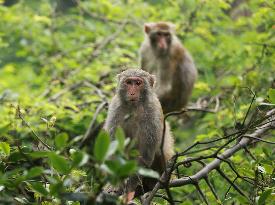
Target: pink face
[
  {"x": 134, "y": 86},
  {"x": 163, "y": 40},
  {"x": 160, "y": 35}
]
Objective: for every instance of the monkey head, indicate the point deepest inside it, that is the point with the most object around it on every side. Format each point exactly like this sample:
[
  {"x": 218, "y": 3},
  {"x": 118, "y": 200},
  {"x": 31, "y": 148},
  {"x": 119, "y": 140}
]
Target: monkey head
[
  {"x": 160, "y": 35},
  {"x": 134, "y": 85}
]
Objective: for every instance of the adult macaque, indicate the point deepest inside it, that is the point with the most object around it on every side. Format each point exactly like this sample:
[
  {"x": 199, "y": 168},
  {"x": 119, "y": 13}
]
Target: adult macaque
[
  {"x": 137, "y": 110},
  {"x": 163, "y": 55}
]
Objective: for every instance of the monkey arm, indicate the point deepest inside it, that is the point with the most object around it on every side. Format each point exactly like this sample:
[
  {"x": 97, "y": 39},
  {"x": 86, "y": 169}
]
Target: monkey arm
[
  {"x": 150, "y": 134},
  {"x": 147, "y": 154},
  {"x": 188, "y": 71},
  {"x": 149, "y": 143},
  {"x": 142, "y": 63},
  {"x": 176, "y": 96},
  {"x": 113, "y": 117}
]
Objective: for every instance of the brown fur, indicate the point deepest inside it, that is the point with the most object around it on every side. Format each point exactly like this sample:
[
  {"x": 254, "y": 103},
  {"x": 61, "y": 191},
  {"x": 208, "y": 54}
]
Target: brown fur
[
  {"x": 143, "y": 121},
  {"x": 175, "y": 70}
]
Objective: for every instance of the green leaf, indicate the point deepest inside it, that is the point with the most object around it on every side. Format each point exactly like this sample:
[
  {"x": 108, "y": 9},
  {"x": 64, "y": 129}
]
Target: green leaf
[
  {"x": 38, "y": 187},
  {"x": 56, "y": 188},
  {"x": 21, "y": 200},
  {"x": 148, "y": 173},
  {"x": 59, "y": 163},
  {"x": 101, "y": 146},
  {"x": 119, "y": 167},
  {"x": 79, "y": 158},
  {"x": 107, "y": 168},
  {"x": 112, "y": 148},
  {"x": 264, "y": 196},
  {"x": 4, "y": 129},
  {"x": 39, "y": 154},
  {"x": 271, "y": 95},
  {"x": 115, "y": 164},
  {"x": 34, "y": 172},
  {"x": 61, "y": 140},
  {"x": 127, "y": 169},
  {"x": 120, "y": 136},
  {"x": 5, "y": 147}
]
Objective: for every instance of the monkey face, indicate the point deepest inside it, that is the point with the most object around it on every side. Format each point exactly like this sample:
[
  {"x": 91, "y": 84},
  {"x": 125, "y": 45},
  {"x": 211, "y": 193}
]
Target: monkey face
[
  {"x": 161, "y": 40},
  {"x": 134, "y": 87},
  {"x": 160, "y": 35}
]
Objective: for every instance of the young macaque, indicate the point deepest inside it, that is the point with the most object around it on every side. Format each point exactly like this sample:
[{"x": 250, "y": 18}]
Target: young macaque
[
  {"x": 137, "y": 110},
  {"x": 163, "y": 55}
]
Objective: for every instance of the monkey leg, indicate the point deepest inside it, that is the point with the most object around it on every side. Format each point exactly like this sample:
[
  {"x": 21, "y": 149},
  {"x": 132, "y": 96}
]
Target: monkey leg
[{"x": 147, "y": 186}]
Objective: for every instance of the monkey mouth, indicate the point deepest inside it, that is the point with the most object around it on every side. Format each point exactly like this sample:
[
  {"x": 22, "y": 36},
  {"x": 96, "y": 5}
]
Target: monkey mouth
[
  {"x": 162, "y": 52},
  {"x": 133, "y": 100}
]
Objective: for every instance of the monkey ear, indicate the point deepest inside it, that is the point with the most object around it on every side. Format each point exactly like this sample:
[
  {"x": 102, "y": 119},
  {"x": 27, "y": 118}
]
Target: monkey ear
[
  {"x": 147, "y": 27},
  {"x": 152, "y": 80}
]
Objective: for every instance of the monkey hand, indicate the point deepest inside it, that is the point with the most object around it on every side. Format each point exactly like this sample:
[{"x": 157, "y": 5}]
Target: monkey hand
[{"x": 128, "y": 197}]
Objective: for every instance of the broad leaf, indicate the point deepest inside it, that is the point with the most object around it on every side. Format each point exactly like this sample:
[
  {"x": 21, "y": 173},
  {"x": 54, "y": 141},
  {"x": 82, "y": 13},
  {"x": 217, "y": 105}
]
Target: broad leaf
[
  {"x": 101, "y": 146},
  {"x": 271, "y": 95},
  {"x": 148, "y": 173},
  {"x": 34, "y": 172},
  {"x": 264, "y": 196},
  {"x": 39, "y": 187},
  {"x": 5, "y": 147},
  {"x": 59, "y": 163},
  {"x": 61, "y": 140}
]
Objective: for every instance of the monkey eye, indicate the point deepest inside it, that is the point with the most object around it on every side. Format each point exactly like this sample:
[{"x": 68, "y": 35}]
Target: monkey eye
[
  {"x": 138, "y": 83},
  {"x": 128, "y": 82},
  {"x": 167, "y": 35},
  {"x": 159, "y": 34}
]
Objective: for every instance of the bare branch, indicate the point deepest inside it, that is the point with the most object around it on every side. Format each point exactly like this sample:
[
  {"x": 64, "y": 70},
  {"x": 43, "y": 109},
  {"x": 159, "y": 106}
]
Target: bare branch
[
  {"x": 227, "y": 154},
  {"x": 65, "y": 90},
  {"x": 92, "y": 123},
  {"x": 231, "y": 183},
  {"x": 32, "y": 130},
  {"x": 216, "y": 162},
  {"x": 211, "y": 188},
  {"x": 201, "y": 193}
]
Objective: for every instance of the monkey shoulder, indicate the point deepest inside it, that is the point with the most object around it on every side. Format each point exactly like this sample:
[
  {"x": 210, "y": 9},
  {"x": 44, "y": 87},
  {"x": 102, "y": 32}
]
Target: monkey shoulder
[
  {"x": 145, "y": 46},
  {"x": 153, "y": 111},
  {"x": 115, "y": 105},
  {"x": 188, "y": 67},
  {"x": 177, "y": 51},
  {"x": 154, "y": 103},
  {"x": 148, "y": 60},
  {"x": 115, "y": 110}
]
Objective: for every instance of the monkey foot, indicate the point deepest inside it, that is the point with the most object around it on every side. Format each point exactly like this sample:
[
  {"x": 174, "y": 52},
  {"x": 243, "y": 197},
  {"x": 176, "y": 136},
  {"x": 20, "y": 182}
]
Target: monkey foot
[{"x": 131, "y": 203}]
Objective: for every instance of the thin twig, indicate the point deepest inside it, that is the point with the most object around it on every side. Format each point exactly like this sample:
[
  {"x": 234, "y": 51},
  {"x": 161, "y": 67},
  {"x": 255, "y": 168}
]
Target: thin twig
[
  {"x": 231, "y": 183},
  {"x": 32, "y": 130},
  {"x": 216, "y": 162},
  {"x": 211, "y": 188},
  {"x": 201, "y": 193},
  {"x": 91, "y": 126}
]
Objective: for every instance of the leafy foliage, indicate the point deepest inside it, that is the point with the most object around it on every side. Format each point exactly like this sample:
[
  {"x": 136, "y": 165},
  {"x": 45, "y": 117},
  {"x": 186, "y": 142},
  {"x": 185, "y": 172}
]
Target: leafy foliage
[{"x": 58, "y": 60}]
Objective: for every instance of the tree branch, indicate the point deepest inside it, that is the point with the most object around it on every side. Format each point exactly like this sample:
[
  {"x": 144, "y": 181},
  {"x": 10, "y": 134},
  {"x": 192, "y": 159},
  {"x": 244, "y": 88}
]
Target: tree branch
[{"x": 203, "y": 173}]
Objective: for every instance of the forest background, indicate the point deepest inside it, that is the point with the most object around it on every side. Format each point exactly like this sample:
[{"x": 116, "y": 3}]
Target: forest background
[{"x": 58, "y": 62}]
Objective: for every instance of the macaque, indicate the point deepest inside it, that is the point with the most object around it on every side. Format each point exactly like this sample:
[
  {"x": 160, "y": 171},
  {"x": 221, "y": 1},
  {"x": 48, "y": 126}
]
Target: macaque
[
  {"x": 137, "y": 110},
  {"x": 163, "y": 55}
]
